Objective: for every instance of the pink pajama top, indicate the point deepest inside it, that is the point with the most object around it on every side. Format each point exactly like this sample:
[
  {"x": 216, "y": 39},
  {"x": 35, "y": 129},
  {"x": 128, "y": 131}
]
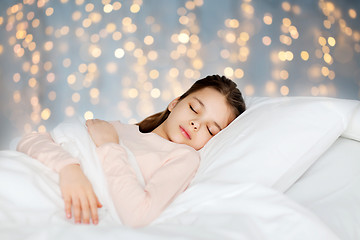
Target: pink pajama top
[{"x": 167, "y": 169}]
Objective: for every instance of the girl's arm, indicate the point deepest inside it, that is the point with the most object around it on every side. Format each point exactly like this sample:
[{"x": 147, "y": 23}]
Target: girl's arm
[
  {"x": 76, "y": 189},
  {"x": 137, "y": 205},
  {"x": 43, "y": 148}
]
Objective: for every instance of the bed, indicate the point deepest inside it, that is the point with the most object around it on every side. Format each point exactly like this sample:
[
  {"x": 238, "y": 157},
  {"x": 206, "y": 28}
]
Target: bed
[
  {"x": 288, "y": 168},
  {"x": 331, "y": 188}
]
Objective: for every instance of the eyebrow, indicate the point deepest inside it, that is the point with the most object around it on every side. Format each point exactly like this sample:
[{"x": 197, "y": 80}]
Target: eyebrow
[{"x": 203, "y": 105}]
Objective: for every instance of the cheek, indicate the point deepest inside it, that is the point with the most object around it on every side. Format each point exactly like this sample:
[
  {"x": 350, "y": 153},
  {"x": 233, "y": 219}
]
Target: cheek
[
  {"x": 203, "y": 138},
  {"x": 172, "y": 118},
  {"x": 175, "y": 115}
]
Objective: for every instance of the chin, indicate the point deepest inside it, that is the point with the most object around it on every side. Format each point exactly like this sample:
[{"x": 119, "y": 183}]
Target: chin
[
  {"x": 194, "y": 147},
  {"x": 176, "y": 140}
]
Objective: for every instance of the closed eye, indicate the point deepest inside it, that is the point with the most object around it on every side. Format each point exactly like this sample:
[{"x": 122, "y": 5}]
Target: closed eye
[
  {"x": 192, "y": 109},
  {"x": 210, "y": 132}
]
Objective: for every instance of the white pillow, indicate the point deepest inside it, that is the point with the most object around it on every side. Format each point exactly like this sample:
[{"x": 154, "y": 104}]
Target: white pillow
[
  {"x": 275, "y": 140},
  {"x": 353, "y": 129}
]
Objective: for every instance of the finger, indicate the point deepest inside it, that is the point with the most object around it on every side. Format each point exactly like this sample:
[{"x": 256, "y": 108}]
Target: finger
[
  {"x": 93, "y": 208},
  {"x": 77, "y": 210},
  {"x": 99, "y": 121},
  {"x": 88, "y": 122},
  {"x": 85, "y": 209},
  {"x": 98, "y": 204},
  {"x": 67, "y": 201}
]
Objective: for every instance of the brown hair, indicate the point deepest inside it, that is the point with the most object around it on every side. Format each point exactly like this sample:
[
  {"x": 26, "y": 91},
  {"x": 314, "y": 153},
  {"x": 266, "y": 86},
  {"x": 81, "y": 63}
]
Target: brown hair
[{"x": 222, "y": 84}]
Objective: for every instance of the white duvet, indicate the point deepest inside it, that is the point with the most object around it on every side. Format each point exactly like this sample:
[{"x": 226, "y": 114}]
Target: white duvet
[{"x": 31, "y": 206}]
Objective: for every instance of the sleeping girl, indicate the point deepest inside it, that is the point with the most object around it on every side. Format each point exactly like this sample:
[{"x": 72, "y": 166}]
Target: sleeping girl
[{"x": 164, "y": 145}]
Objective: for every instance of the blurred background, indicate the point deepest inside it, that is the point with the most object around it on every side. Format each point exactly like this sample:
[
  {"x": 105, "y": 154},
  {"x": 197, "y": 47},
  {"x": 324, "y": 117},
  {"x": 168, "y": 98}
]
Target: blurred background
[{"x": 124, "y": 60}]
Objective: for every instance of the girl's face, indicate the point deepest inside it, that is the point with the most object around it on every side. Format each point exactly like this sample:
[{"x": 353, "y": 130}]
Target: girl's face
[{"x": 196, "y": 118}]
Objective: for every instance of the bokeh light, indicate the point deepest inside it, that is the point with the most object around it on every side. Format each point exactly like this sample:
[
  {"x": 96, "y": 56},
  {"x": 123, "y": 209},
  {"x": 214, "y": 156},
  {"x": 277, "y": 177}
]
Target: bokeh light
[{"x": 124, "y": 60}]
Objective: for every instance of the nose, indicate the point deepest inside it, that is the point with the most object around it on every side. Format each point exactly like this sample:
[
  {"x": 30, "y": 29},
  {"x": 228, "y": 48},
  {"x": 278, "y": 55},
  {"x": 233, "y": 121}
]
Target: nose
[{"x": 194, "y": 125}]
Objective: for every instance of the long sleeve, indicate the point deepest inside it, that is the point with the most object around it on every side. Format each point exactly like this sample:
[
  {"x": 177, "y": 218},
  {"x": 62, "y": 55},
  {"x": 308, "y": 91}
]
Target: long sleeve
[
  {"x": 41, "y": 147},
  {"x": 137, "y": 205}
]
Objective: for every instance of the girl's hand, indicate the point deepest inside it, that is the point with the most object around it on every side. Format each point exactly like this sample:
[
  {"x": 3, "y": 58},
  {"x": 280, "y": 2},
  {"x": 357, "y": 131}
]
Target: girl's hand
[
  {"x": 102, "y": 132},
  {"x": 78, "y": 193}
]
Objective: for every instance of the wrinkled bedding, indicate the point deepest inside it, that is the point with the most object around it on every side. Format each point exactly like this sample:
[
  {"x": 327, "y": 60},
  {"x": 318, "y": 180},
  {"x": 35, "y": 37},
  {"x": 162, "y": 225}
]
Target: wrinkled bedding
[
  {"x": 32, "y": 206},
  {"x": 331, "y": 188}
]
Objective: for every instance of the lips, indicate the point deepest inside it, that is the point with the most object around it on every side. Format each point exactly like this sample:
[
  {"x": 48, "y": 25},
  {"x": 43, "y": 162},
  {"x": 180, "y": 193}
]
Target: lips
[{"x": 184, "y": 133}]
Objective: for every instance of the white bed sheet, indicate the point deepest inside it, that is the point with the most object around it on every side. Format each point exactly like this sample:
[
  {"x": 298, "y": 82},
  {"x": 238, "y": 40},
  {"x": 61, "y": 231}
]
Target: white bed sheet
[
  {"x": 31, "y": 206},
  {"x": 331, "y": 188}
]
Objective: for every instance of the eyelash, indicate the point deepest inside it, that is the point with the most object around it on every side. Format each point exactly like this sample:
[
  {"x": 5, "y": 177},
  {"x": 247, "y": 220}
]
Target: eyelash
[
  {"x": 210, "y": 132},
  {"x": 192, "y": 109},
  {"x": 196, "y": 113}
]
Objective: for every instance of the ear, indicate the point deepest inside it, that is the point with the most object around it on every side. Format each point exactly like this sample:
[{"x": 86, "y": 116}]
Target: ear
[{"x": 173, "y": 104}]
